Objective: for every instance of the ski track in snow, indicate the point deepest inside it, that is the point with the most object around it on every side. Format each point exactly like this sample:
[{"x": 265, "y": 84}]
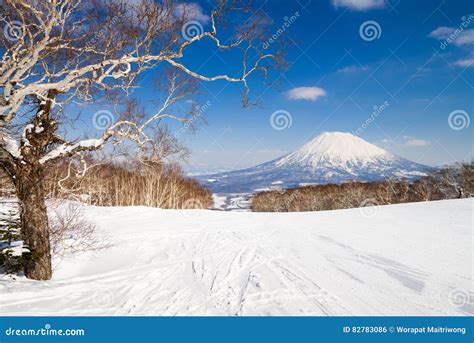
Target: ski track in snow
[{"x": 410, "y": 259}]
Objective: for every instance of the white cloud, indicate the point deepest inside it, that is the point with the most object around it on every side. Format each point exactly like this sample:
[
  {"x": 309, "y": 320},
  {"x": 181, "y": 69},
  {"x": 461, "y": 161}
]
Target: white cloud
[
  {"x": 352, "y": 69},
  {"x": 457, "y": 36},
  {"x": 359, "y": 5},
  {"x": 306, "y": 93},
  {"x": 466, "y": 63},
  {"x": 193, "y": 11},
  {"x": 416, "y": 142},
  {"x": 467, "y": 37},
  {"x": 441, "y": 32}
]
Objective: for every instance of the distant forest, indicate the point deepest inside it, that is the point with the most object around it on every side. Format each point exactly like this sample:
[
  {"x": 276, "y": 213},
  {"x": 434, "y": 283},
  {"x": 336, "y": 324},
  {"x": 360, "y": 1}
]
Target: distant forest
[
  {"x": 451, "y": 182},
  {"x": 121, "y": 184}
]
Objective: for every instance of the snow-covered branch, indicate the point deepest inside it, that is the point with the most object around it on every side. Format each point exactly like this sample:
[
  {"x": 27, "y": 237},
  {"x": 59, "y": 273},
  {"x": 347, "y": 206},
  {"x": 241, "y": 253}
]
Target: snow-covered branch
[{"x": 69, "y": 50}]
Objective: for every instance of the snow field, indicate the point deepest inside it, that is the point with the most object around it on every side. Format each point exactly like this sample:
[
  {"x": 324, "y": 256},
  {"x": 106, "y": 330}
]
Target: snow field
[{"x": 409, "y": 259}]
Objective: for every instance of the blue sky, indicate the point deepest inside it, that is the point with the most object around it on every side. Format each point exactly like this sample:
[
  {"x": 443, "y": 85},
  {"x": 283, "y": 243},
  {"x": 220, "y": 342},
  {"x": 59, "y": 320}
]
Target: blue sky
[{"x": 416, "y": 70}]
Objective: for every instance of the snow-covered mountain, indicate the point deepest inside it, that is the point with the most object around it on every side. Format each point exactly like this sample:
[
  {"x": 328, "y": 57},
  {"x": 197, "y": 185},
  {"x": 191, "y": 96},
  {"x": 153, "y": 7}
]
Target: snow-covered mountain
[{"x": 331, "y": 157}]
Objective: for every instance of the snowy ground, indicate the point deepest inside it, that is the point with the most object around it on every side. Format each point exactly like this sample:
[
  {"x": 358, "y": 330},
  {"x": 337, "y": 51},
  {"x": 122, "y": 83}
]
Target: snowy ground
[{"x": 411, "y": 259}]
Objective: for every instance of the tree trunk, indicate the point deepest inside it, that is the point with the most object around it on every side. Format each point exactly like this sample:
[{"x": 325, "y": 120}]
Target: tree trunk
[{"x": 34, "y": 221}]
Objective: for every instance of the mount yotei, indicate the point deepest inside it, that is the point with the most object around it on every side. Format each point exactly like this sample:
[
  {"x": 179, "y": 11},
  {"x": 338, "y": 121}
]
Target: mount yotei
[{"x": 331, "y": 157}]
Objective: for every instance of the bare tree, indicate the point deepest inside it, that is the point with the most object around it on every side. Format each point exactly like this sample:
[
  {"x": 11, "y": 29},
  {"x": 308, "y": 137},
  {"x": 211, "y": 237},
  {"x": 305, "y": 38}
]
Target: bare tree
[
  {"x": 70, "y": 232},
  {"x": 80, "y": 52}
]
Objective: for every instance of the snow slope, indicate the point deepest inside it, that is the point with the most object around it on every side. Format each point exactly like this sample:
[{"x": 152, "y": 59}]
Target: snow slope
[
  {"x": 410, "y": 259},
  {"x": 331, "y": 157}
]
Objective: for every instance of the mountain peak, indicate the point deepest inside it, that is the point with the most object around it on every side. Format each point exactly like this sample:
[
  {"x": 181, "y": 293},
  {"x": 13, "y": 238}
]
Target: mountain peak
[
  {"x": 336, "y": 147},
  {"x": 331, "y": 157}
]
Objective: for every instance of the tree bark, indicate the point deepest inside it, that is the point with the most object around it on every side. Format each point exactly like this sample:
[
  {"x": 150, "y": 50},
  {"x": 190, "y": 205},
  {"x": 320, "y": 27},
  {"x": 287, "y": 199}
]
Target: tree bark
[{"x": 34, "y": 221}]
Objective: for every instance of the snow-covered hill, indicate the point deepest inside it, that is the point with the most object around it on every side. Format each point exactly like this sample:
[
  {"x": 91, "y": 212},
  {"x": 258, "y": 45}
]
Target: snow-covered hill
[
  {"x": 410, "y": 259},
  {"x": 332, "y": 157}
]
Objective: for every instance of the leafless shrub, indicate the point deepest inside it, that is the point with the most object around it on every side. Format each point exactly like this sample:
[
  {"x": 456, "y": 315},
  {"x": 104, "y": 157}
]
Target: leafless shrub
[{"x": 70, "y": 232}]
